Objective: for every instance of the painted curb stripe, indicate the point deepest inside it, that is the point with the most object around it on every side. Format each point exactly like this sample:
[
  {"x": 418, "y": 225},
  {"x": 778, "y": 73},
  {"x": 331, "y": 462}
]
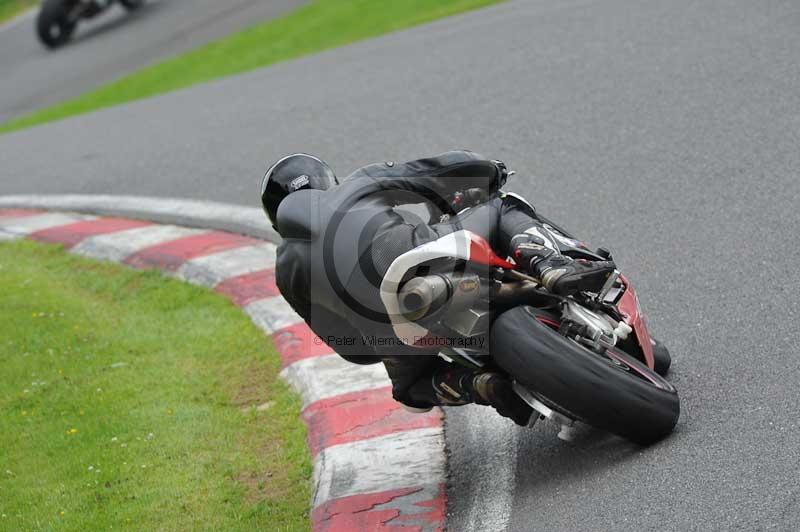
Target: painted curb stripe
[
  {"x": 170, "y": 256},
  {"x": 245, "y": 289},
  {"x": 402, "y": 459},
  {"x": 367, "y": 450},
  {"x": 383, "y": 511},
  {"x": 298, "y": 342},
  {"x": 211, "y": 270},
  {"x": 72, "y": 234},
  {"x": 118, "y": 246},
  {"x": 360, "y": 415},
  {"x": 18, "y": 213},
  {"x": 237, "y": 219},
  {"x": 328, "y": 376},
  {"x": 272, "y": 314},
  {"x": 26, "y": 225}
]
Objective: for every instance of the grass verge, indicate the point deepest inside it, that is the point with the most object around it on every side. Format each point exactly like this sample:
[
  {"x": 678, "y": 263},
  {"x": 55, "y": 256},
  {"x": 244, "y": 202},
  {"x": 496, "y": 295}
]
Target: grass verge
[
  {"x": 129, "y": 401},
  {"x": 11, "y": 8},
  {"x": 314, "y": 27}
]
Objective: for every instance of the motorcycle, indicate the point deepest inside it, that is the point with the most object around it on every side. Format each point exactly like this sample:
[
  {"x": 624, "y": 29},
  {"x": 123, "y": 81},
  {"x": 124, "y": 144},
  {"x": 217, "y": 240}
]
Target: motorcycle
[
  {"x": 58, "y": 19},
  {"x": 584, "y": 358}
]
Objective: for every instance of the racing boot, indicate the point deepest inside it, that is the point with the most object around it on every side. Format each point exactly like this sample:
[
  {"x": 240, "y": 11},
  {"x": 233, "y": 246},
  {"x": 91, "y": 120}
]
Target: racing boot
[
  {"x": 453, "y": 386},
  {"x": 459, "y": 386},
  {"x": 558, "y": 273},
  {"x": 497, "y": 391}
]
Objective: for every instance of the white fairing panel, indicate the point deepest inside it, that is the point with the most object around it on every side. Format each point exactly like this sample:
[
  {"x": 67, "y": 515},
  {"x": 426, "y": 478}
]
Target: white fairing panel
[{"x": 455, "y": 245}]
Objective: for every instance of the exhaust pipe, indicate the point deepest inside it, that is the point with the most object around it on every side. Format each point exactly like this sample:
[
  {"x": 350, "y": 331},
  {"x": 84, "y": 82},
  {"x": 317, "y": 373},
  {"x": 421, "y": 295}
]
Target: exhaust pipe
[{"x": 422, "y": 295}]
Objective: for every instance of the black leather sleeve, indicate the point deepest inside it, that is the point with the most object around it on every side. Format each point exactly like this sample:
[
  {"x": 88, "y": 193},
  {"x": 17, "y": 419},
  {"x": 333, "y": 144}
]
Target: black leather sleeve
[
  {"x": 329, "y": 327},
  {"x": 436, "y": 177}
]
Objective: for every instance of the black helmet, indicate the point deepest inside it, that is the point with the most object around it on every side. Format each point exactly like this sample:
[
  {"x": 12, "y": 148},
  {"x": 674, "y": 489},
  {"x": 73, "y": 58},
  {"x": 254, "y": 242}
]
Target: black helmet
[{"x": 290, "y": 174}]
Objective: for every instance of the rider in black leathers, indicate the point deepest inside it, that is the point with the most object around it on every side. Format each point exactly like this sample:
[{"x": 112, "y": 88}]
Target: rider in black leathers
[{"x": 339, "y": 241}]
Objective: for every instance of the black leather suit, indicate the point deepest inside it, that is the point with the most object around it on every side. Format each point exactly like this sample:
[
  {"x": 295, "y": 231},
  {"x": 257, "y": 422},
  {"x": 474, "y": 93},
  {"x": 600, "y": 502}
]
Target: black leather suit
[{"x": 338, "y": 244}]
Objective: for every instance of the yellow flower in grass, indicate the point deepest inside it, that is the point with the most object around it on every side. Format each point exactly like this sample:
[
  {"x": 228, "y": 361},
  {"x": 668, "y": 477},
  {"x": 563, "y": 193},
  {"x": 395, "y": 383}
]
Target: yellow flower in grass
[{"x": 72, "y": 432}]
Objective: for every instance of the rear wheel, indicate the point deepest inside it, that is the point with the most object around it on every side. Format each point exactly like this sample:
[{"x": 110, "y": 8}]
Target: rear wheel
[
  {"x": 611, "y": 391},
  {"x": 53, "y": 25}
]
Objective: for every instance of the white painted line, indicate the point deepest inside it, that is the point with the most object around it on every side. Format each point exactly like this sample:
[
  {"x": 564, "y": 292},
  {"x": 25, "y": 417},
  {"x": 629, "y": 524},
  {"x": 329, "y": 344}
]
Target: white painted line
[
  {"x": 326, "y": 376},
  {"x": 213, "y": 269},
  {"x": 122, "y": 244},
  {"x": 272, "y": 313},
  {"x": 496, "y": 465},
  {"x": 406, "y": 459},
  {"x": 30, "y": 224}
]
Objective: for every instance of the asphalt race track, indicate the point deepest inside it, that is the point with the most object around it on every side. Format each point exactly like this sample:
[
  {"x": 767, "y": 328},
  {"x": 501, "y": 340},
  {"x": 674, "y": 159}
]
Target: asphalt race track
[
  {"x": 112, "y": 44},
  {"x": 665, "y": 131}
]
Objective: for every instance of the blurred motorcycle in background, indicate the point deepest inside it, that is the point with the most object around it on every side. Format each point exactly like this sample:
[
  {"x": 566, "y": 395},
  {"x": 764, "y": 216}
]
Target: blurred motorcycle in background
[{"x": 58, "y": 19}]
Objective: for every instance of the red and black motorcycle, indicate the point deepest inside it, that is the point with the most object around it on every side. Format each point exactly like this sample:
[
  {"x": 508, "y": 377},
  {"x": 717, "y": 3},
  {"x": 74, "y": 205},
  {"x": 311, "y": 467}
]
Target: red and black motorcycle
[
  {"x": 587, "y": 357},
  {"x": 58, "y": 19}
]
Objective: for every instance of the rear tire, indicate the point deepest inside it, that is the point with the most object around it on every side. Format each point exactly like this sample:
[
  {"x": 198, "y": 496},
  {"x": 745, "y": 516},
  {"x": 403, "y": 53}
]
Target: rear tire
[
  {"x": 131, "y": 5},
  {"x": 623, "y": 397},
  {"x": 52, "y": 25}
]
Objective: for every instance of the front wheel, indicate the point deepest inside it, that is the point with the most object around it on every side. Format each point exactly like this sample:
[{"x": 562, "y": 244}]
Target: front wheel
[
  {"x": 610, "y": 391},
  {"x": 131, "y": 5},
  {"x": 663, "y": 360},
  {"x": 53, "y": 25}
]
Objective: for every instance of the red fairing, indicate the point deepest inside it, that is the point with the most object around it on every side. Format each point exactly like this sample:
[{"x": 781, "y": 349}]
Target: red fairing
[
  {"x": 481, "y": 252},
  {"x": 632, "y": 313}
]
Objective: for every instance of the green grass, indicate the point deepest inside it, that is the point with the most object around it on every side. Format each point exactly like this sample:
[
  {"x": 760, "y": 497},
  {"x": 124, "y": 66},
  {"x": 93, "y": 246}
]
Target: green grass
[
  {"x": 11, "y": 8},
  {"x": 317, "y": 26},
  {"x": 127, "y": 401}
]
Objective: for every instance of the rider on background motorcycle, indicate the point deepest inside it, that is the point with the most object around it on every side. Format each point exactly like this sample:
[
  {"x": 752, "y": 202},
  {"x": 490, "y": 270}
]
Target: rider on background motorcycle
[{"x": 339, "y": 241}]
